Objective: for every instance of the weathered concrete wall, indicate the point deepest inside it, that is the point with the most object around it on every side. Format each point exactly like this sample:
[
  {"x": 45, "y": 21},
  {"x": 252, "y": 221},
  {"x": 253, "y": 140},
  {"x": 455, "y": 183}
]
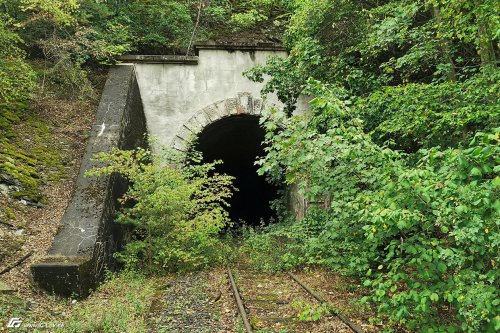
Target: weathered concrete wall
[
  {"x": 172, "y": 93},
  {"x": 88, "y": 235}
]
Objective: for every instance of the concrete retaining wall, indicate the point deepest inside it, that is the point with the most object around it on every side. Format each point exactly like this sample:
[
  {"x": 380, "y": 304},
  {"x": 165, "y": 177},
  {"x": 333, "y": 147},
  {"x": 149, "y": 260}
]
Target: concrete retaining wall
[{"x": 88, "y": 236}]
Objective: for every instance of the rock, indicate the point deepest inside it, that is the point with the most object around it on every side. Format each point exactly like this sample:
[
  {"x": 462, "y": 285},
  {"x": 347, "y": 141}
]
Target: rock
[
  {"x": 4, "y": 189},
  {"x": 5, "y": 288},
  {"x": 1, "y": 234},
  {"x": 24, "y": 202},
  {"x": 14, "y": 188},
  {"x": 9, "y": 180},
  {"x": 34, "y": 204},
  {"x": 18, "y": 232}
]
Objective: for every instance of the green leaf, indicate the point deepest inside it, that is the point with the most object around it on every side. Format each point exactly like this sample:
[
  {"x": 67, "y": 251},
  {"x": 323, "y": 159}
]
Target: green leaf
[{"x": 476, "y": 172}]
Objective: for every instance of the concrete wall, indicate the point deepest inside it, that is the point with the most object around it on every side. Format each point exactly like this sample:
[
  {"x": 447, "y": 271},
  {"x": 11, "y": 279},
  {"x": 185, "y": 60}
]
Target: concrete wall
[
  {"x": 172, "y": 93},
  {"x": 88, "y": 235},
  {"x": 181, "y": 96}
]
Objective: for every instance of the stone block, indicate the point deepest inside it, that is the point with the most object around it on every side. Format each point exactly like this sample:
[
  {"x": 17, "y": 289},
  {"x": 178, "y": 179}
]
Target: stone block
[
  {"x": 65, "y": 276},
  {"x": 257, "y": 106},
  {"x": 212, "y": 113},
  {"x": 180, "y": 144},
  {"x": 193, "y": 125},
  {"x": 202, "y": 119},
  {"x": 231, "y": 106},
  {"x": 185, "y": 134}
]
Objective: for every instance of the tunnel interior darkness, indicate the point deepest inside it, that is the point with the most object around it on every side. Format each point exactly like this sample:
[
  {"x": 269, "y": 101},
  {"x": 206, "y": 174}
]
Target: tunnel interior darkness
[{"x": 237, "y": 141}]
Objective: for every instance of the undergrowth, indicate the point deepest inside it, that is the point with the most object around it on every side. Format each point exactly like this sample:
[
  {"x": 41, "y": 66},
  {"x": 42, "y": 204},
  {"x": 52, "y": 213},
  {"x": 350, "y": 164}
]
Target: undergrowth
[{"x": 120, "y": 304}]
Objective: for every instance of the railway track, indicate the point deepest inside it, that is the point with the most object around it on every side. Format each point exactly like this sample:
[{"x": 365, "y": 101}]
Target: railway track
[{"x": 270, "y": 301}]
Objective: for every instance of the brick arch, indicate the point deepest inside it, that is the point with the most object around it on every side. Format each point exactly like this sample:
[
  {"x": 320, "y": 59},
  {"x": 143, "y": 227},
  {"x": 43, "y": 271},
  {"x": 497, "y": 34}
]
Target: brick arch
[{"x": 242, "y": 104}]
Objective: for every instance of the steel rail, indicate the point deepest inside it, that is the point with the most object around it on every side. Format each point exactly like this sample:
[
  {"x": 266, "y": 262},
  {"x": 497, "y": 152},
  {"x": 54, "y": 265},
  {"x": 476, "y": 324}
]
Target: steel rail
[
  {"x": 322, "y": 300},
  {"x": 241, "y": 308}
]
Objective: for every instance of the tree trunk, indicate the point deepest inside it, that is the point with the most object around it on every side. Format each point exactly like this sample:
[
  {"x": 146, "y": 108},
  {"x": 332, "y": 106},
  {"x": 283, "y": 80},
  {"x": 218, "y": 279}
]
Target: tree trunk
[
  {"x": 486, "y": 50},
  {"x": 445, "y": 49}
]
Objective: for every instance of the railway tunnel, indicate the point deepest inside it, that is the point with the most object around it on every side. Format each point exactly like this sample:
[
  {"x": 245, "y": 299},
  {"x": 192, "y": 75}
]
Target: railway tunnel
[
  {"x": 169, "y": 98},
  {"x": 237, "y": 142}
]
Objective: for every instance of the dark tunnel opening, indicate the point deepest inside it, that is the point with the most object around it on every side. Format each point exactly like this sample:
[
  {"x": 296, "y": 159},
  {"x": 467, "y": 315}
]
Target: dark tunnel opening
[{"x": 237, "y": 141}]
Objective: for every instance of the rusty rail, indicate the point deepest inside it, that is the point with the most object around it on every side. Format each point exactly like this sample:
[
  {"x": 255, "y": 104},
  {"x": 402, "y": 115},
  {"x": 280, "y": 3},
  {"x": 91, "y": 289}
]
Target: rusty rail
[
  {"x": 237, "y": 297},
  {"x": 322, "y": 300}
]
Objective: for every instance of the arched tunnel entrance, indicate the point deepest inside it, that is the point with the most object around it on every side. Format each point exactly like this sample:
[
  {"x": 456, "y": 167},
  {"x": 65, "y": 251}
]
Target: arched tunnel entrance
[{"x": 237, "y": 141}]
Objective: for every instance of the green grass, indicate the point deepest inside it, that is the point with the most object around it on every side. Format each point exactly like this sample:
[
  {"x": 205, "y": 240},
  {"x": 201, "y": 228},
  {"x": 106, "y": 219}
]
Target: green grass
[{"x": 121, "y": 304}]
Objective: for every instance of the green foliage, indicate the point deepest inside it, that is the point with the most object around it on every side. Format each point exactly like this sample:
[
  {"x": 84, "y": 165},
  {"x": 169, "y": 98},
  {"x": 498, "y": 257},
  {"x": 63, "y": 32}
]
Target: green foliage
[
  {"x": 156, "y": 24},
  {"x": 422, "y": 229},
  {"x": 16, "y": 76},
  {"x": 61, "y": 12},
  {"x": 392, "y": 54},
  {"x": 247, "y": 19},
  {"x": 288, "y": 76},
  {"x": 308, "y": 312},
  {"x": 426, "y": 231},
  {"x": 417, "y": 115},
  {"x": 177, "y": 212},
  {"x": 272, "y": 248}
]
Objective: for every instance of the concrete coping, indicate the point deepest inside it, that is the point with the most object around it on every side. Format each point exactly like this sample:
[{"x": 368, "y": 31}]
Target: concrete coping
[
  {"x": 193, "y": 60},
  {"x": 159, "y": 59},
  {"x": 232, "y": 46}
]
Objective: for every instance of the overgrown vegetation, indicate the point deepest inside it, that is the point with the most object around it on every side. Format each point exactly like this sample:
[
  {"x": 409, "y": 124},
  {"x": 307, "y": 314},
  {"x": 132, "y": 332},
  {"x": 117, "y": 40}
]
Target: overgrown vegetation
[
  {"x": 121, "y": 304},
  {"x": 401, "y": 147}
]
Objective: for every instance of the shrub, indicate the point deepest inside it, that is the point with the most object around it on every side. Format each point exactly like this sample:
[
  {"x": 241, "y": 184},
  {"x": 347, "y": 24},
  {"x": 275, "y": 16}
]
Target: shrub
[{"x": 177, "y": 209}]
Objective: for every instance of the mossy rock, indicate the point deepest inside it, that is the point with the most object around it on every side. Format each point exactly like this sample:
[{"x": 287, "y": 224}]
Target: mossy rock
[
  {"x": 28, "y": 165},
  {"x": 34, "y": 196}
]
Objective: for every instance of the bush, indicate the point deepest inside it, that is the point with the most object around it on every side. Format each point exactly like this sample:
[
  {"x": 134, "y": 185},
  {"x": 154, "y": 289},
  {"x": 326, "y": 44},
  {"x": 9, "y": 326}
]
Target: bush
[
  {"x": 423, "y": 234},
  {"x": 247, "y": 19},
  {"x": 177, "y": 211},
  {"x": 420, "y": 115}
]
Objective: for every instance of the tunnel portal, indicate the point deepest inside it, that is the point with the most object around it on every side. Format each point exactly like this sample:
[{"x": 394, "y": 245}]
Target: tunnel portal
[{"x": 237, "y": 141}]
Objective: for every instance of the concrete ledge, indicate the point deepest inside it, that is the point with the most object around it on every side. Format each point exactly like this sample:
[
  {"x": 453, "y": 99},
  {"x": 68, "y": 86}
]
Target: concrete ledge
[
  {"x": 65, "y": 276},
  {"x": 238, "y": 47},
  {"x": 159, "y": 59},
  {"x": 88, "y": 236}
]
